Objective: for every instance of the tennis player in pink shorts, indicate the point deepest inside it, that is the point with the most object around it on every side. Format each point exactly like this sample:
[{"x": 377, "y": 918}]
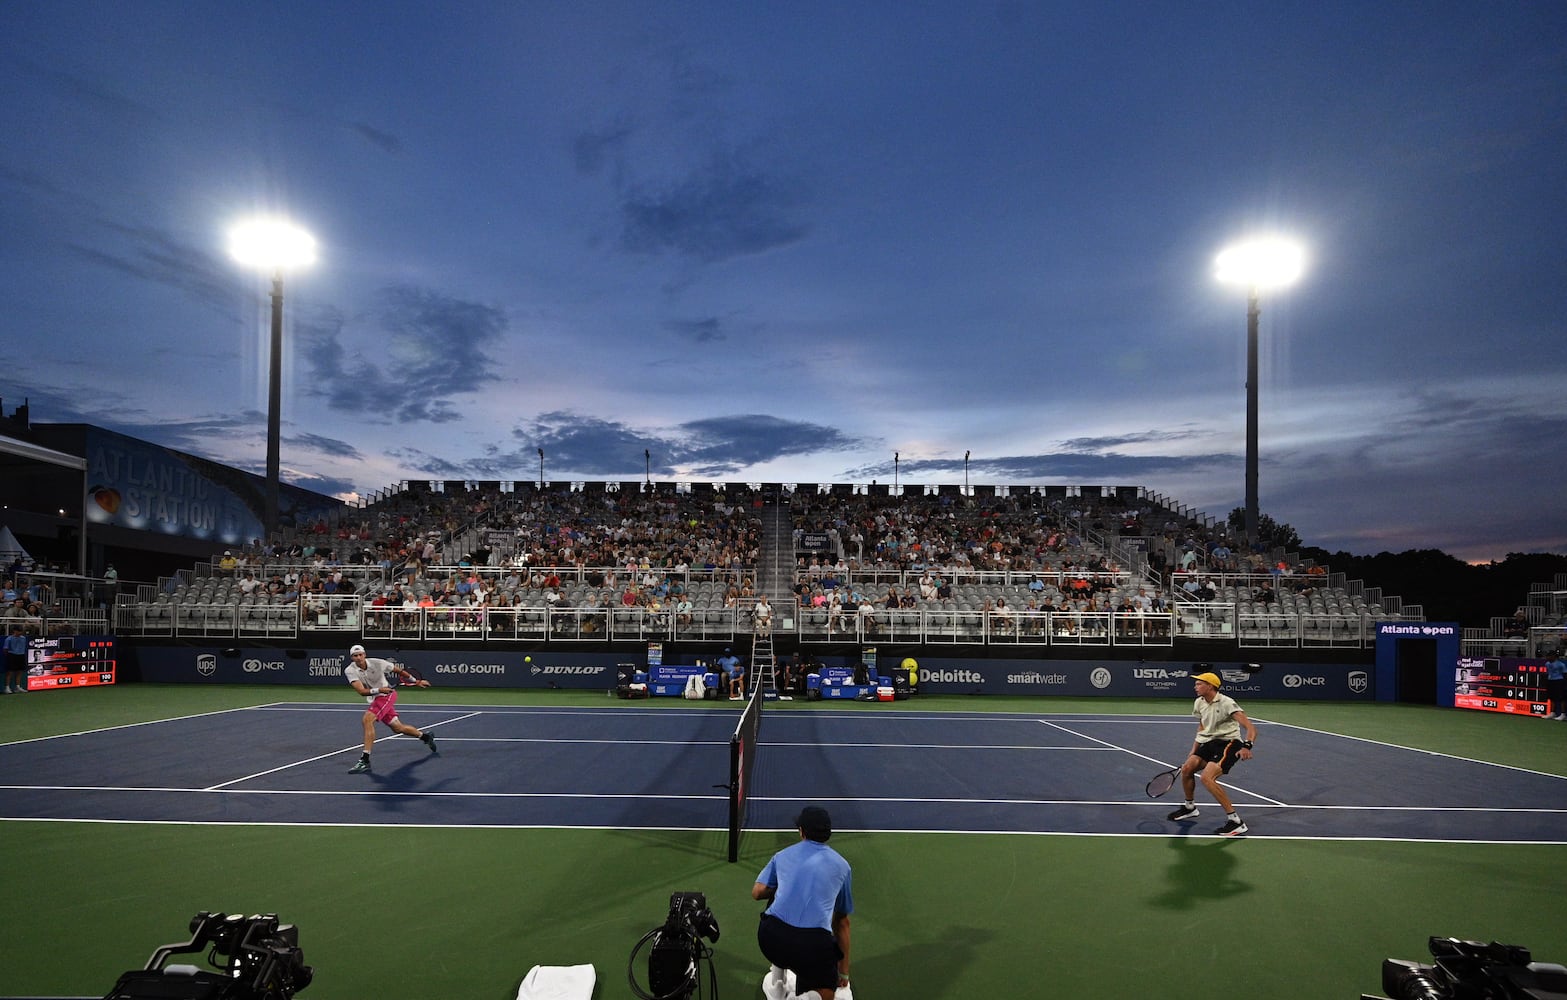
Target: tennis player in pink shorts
[{"x": 368, "y": 676}]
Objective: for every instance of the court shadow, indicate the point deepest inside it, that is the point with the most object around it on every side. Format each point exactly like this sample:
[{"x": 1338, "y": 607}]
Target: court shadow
[
  {"x": 1202, "y": 870},
  {"x": 702, "y": 844},
  {"x": 404, "y": 778},
  {"x": 937, "y": 963}
]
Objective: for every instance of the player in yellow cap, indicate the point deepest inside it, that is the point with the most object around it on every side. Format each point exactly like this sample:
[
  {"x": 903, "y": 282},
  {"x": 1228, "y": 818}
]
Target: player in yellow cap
[{"x": 1215, "y": 750}]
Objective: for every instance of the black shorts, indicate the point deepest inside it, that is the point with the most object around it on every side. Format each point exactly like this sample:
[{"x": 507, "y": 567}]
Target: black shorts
[
  {"x": 1223, "y": 752},
  {"x": 811, "y": 952}
]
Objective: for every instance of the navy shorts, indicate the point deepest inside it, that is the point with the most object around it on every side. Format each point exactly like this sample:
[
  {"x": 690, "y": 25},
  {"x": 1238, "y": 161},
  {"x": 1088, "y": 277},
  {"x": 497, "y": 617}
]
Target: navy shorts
[
  {"x": 811, "y": 952},
  {"x": 1223, "y": 752}
]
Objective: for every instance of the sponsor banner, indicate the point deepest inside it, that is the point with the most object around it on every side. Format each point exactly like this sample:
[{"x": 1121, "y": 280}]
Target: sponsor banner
[
  {"x": 1131, "y": 679},
  {"x": 482, "y": 668},
  {"x": 230, "y": 665}
]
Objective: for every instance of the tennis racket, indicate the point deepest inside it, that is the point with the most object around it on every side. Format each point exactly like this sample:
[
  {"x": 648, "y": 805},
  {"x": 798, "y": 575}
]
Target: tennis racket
[
  {"x": 411, "y": 678},
  {"x": 1162, "y": 782}
]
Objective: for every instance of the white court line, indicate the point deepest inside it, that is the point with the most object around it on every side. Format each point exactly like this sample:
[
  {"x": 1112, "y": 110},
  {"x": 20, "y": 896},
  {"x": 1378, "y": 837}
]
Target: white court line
[
  {"x": 1161, "y": 763},
  {"x": 323, "y": 756},
  {"x": 715, "y": 830},
  {"x": 134, "y": 725},
  {"x": 1138, "y": 804},
  {"x": 369, "y": 792},
  {"x": 583, "y": 742},
  {"x": 666, "y": 713}
]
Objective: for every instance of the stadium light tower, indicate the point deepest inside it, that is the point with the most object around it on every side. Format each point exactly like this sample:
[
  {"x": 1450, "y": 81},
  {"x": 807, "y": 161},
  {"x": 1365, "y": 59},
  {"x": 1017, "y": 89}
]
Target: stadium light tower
[
  {"x": 273, "y": 246},
  {"x": 1258, "y": 264}
]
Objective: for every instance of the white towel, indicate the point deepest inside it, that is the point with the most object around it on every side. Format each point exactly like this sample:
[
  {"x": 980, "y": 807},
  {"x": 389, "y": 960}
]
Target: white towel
[{"x": 557, "y": 982}]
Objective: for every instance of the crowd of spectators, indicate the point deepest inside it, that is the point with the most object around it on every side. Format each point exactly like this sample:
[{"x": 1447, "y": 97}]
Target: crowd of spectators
[
  {"x": 551, "y": 549},
  {"x": 672, "y": 555}
]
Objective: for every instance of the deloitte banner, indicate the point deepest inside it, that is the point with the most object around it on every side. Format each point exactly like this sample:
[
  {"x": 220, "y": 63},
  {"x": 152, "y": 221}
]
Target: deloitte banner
[
  {"x": 1129, "y": 679},
  {"x": 480, "y": 668}
]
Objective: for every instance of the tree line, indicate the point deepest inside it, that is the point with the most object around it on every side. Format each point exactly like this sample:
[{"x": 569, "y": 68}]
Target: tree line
[{"x": 1449, "y": 589}]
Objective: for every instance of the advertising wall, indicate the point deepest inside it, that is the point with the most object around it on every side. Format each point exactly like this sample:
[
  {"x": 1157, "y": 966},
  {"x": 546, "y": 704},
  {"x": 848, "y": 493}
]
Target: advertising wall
[
  {"x": 1076, "y": 678},
  {"x": 136, "y": 485},
  {"x": 239, "y": 665},
  {"x": 1133, "y": 679}
]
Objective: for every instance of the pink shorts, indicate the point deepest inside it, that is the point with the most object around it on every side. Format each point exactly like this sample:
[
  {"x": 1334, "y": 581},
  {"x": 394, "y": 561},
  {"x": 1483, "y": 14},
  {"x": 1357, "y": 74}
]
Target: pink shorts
[{"x": 384, "y": 708}]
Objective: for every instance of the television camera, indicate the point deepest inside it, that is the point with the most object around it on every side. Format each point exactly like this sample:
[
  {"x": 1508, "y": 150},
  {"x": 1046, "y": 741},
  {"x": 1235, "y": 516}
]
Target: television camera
[
  {"x": 260, "y": 959},
  {"x": 676, "y": 951},
  {"x": 1470, "y": 970}
]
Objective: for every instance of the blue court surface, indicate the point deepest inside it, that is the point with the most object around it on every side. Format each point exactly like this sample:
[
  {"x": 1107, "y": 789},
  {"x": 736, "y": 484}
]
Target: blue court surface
[{"x": 666, "y": 768}]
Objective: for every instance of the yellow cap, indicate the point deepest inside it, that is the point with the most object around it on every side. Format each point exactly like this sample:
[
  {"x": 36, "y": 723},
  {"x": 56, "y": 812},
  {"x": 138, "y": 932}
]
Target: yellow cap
[{"x": 1209, "y": 678}]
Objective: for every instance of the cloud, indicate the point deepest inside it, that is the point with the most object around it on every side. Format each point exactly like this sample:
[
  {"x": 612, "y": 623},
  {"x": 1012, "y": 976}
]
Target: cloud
[
  {"x": 1100, "y": 444},
  {"x": 723, "y": 210},
  {"x": 703, "y": 331},
  {"x": 592, "y": 150},
  {"x": 153, "y": 255},
  {"x": 385, "y": 141},
  {"x": 433, "y": 347},
  {"x": 441, "y": 468},
  {"x": 1104, "y": 469},
  {"x": 325, "y": 446},
  {"x": 332, "y": 486},
  {"x": 88, "y": 92},
  {"x": 577, "y": 445}
]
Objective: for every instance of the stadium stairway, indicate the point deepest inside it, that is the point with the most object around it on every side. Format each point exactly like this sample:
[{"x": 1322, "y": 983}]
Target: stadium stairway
[{"x": 775, "y": 578}]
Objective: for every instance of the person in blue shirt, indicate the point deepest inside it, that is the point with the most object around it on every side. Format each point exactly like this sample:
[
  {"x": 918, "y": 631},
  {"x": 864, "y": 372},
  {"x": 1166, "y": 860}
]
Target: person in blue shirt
[
  {"x": 805, "y": 928},
  {"x": 1556, "y": 683},
  {"x": 16, "y": 661},
  {"x": 733, "y": 673}
]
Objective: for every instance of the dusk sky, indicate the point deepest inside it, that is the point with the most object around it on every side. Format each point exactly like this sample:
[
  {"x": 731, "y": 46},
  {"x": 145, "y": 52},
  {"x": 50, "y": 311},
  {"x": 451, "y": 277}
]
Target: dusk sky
[{"x": 783, "y": 242}]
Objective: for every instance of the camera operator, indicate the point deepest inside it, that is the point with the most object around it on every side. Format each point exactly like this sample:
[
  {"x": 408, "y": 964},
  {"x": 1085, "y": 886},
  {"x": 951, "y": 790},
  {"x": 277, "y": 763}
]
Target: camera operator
[{"x": 805, "y": 928}]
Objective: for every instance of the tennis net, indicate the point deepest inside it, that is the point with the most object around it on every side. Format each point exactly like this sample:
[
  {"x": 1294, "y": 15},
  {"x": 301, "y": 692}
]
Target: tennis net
[{"x": 742, "y": 762}]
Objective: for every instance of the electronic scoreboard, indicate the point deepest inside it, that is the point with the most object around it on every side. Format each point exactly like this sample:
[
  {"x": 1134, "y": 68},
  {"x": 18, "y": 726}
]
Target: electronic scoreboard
[
  {"x": 1507, "y": 684},
  {"x": 70, "y": 661}
]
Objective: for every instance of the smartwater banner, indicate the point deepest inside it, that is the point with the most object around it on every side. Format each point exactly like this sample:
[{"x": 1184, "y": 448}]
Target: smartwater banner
[{"x": 239, "y": 665}]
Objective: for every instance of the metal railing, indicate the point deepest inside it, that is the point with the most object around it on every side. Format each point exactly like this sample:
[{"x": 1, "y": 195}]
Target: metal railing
[{"x": 338, "y": 619}]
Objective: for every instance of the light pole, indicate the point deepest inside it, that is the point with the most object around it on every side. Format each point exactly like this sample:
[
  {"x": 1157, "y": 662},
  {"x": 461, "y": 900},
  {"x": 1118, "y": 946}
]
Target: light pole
[
  {"x": 541, "y": 470},
  {"x": 273, "y": 246},
  {"x": 1257, "y": 264},
  {"x": 965, "y": 473}
]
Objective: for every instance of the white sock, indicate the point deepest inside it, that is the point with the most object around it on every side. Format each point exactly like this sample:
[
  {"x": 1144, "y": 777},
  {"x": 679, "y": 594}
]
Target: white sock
[
  {"x": 812, "y": 995},
  {"x": 1190, "y": 804},
  {"x": 1234, "y": 817}
]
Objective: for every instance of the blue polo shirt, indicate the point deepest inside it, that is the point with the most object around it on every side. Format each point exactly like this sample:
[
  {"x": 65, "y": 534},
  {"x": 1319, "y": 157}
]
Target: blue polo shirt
[{"x": 813, "y": 883}]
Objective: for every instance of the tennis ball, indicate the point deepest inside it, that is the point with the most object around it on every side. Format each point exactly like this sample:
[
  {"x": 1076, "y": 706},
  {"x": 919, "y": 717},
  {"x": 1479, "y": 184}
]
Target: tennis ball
[
  {"x": 527, "y": 659},
  {"x": 909, "y": 663}
]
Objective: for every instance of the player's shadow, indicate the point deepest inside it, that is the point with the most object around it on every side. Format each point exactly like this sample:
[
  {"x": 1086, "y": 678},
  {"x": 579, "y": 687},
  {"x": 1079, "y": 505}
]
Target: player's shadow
[
  {"x": 1201, "y": 870},
  {"x": 403, "y": 778},
  {"x": 936, "y": 963}
]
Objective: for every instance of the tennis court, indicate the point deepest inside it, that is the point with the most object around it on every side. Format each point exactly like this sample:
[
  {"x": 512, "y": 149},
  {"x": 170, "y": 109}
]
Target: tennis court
[
  {"x": 1002, "y": 847},
  {"x": 878, "y": 769}
]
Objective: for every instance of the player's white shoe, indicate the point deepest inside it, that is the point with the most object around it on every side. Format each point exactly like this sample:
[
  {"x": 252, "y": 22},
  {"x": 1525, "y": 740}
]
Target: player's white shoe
[{"x": 777, "y": 984}]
